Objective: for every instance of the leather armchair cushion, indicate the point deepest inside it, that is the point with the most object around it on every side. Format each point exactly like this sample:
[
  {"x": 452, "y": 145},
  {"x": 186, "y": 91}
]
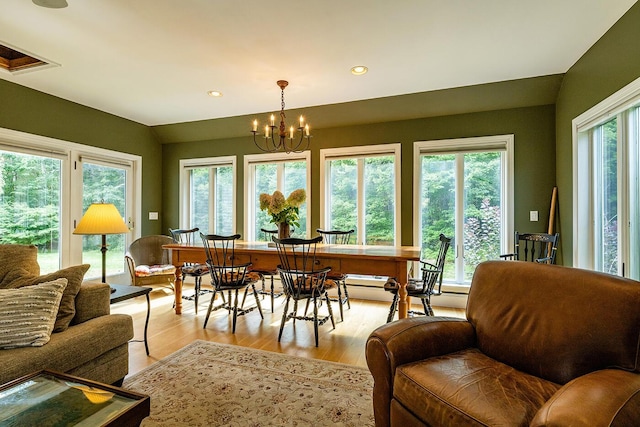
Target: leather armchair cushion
[{"x": 469, "y": 388}]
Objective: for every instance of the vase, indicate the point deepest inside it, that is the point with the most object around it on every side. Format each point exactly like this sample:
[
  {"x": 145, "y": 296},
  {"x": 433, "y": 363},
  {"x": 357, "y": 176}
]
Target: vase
[{"x": 284, "y": 230}]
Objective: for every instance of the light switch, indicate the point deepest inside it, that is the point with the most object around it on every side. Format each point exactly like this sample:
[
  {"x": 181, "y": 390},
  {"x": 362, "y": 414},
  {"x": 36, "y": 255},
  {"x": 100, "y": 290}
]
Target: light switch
[
  {"x": 153, "y": 216},
  {"x": 533, "y": 215}
]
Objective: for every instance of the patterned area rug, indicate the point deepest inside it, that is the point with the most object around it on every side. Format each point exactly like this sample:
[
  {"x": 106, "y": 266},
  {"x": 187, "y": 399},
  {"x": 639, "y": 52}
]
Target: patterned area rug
[{"x": 210, "y": 384}]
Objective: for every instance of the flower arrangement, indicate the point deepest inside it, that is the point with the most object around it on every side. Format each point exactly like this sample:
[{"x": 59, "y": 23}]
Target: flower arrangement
[{"x": 283, "y": 210}]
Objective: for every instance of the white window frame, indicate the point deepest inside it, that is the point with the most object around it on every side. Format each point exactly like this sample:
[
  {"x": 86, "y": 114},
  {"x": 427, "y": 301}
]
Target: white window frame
[
  {"x": 249, "y": 184},
  {"x": 504, "y": 143},
  {"x": 71, "y": 155},
  {"x": 185, "y": 187},
  {"x": 359, "y": 152},
  {"x": 584, "y": 238}
]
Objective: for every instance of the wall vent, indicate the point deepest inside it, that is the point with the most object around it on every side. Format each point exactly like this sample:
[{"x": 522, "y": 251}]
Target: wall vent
[{"x": 16, "y": 61}]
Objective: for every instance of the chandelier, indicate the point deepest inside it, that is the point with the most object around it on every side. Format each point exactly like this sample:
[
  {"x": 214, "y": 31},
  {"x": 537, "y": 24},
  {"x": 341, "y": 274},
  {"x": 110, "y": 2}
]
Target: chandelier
[{"x": 284, "y": 141}]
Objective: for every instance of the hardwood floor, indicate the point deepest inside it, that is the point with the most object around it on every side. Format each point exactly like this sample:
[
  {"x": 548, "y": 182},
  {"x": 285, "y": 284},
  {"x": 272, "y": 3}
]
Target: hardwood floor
[{"x": 169, "y": 332}]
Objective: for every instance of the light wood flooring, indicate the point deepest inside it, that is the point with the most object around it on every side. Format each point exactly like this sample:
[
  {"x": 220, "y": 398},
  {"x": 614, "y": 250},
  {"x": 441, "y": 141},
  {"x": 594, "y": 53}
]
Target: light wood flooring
[{"x": 168, "y": 332}]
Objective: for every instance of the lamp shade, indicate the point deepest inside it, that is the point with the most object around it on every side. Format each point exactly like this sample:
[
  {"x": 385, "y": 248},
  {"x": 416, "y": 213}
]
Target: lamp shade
[{"x": 101, "y": 218}]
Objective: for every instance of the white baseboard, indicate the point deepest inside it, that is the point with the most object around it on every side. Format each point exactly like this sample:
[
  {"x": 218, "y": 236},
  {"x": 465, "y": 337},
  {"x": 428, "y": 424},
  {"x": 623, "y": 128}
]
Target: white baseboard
[{"x": 377, "y": 293}]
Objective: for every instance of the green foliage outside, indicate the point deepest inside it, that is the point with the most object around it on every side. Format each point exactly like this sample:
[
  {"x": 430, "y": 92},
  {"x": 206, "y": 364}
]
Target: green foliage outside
[
  {"x": 30, "y": 207},
  {"x": 379, "y": 197},
  {"x": 29, "y": 200},
  {"x": 608, "y": 187},
  {"x": 481, "y": 210}
]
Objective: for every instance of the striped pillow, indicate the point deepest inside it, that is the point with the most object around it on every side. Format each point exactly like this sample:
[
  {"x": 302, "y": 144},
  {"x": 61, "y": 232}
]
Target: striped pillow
[{"x": 27, "y": 314}]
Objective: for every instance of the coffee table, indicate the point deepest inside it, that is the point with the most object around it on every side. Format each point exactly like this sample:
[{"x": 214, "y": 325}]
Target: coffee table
[
  {"x": 48, "y": 398},
  {"x": 125, "y": 292}
]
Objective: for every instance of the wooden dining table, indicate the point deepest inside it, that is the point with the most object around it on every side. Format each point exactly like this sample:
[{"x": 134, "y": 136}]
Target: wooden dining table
[{"x": 350, "y": 259}]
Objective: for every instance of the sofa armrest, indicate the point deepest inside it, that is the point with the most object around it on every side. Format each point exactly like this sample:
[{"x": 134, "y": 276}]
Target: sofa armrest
[
  {"x": 93, "y": 300},
  {"x": 406, "y": 341},
  {"x": 610, "y": 397}
]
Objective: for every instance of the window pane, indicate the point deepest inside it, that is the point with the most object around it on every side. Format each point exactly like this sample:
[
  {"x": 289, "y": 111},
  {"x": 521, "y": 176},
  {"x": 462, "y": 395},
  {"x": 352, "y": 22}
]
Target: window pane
[
  {"x": 343, "y": 194},
  {"x": 199, "y": 197},
  {"x": 103, "y": 184},
  {"x": 482, "y": 225},
  {"x": 266, "y": 181},
  {"x": 633, "y": 271},
  {"x": 30, "y": 205},
  {"x": 379, "y": 194},
  {"x": 224, "y": 200},
  {"x": 607, "y": 202},
  {"x": 295, "y": 176},
  {"x": 438, "y": 206}
]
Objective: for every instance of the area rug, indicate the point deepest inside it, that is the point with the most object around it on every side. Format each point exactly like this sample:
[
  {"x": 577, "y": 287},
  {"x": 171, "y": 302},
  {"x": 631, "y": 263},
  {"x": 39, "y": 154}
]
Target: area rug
[{"x": 210, "y": 384}]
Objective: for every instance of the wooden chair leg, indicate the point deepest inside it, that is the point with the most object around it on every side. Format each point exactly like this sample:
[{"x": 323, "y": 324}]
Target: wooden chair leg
[
  {"x": 315, "y": 318},
  {"x": 255, "y": 294},
  {"x": 340, "y": 303},
  {"x": 392, "y": 309},
  {"x": 197, "y": 294},
  {"x": 284, "y": 317},
  {"x": 213, "y": 297},
  {"x": 346, "y": 294},
  {"x": 272, "y": 292},
  {"x": 330, "y": 309},
  {"x": 235, "y": 311}
]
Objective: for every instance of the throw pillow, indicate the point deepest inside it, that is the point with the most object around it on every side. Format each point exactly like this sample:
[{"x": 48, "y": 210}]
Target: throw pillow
[
  {"x": 74, "y": 276},
  {"x": 17, "y": 261},
  {"x": 27, "y": 314}
]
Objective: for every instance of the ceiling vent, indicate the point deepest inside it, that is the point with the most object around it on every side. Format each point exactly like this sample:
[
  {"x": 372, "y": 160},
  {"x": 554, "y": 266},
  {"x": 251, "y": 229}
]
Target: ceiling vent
[{"x": 15, "y": 61}]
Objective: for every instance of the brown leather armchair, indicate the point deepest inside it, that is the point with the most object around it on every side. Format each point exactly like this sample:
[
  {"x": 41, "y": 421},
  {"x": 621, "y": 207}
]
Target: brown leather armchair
[{"x": 542, "y": 345}]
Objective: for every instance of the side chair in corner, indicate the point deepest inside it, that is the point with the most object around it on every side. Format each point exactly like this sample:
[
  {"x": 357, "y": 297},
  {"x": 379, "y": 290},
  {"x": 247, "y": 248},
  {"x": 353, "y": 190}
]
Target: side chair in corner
[
  {"x": 425, "y": 286},
  {"x": 190, "y": 269}
]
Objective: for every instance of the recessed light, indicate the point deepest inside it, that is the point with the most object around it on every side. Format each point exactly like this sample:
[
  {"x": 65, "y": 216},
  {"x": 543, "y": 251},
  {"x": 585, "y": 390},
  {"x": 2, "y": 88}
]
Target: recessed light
[
  {"x": 214, "y": 93},
  {"x": 359, "y": 70}
]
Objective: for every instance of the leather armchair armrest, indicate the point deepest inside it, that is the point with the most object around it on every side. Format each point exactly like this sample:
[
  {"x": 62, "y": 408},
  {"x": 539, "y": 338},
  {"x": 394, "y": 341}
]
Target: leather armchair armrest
[
  {"x": 610, "y": 397},
  {"x": 406, "y": 341}
]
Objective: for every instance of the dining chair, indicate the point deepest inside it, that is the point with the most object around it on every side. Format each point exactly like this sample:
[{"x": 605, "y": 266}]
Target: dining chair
[
  {"x": 534, "y": 247},
  {"x": 190, "y": 269},
  {"x": 228, "y": 275},
  {"x": 271, "y": 273},
  {"x": 148, "y": 263},
  {"x": 424, "y": 287},
  {"x": 338, "y": 237},
  {"x": 302, "y": 281}
]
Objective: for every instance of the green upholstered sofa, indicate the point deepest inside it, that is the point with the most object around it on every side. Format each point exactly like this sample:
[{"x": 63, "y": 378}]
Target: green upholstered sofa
[{"x": 87, "y": 341}]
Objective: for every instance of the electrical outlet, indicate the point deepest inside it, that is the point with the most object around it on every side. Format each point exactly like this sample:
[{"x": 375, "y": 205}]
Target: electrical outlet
[
  {"x": 153, "y": 216},
  {"x": 533, "y": 216}
]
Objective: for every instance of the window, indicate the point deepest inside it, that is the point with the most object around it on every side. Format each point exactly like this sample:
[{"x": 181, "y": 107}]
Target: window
[
  {"x": 208, "y": 189},
  {"x": 47, "y": 184},
  {"x": 606, "y": 164},
  {"x": 360, "y": 190},
  {"x": 462, "y": 189},
  {"x": 109, "y": 182},
  {"x": 30, "y": 204},
  {"x": 266, "y": 173}
]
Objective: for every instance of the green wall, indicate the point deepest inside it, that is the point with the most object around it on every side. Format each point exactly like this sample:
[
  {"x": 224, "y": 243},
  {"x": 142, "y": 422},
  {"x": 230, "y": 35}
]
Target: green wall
[
  {"x": 542, "y": 136},
  {"x": 609, "y": 65},
  {"x": 533, "y": 127},
  {"x": 34, "y": 112}
]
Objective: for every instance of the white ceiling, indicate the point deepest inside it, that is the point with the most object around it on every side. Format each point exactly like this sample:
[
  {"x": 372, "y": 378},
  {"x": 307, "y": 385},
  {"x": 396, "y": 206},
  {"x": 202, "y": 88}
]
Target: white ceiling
[{"x": 153, "y": 61}]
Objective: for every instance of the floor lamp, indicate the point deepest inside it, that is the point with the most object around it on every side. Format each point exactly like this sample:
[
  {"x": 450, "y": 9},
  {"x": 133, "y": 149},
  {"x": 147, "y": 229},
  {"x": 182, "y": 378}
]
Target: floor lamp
[{"x": 102, "y": 219}]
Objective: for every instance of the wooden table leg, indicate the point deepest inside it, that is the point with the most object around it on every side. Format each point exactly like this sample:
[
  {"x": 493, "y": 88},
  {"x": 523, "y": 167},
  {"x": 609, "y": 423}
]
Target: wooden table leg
[
  {"x": 178, "y": 290},
  {"x": 402, "y": 303}
]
